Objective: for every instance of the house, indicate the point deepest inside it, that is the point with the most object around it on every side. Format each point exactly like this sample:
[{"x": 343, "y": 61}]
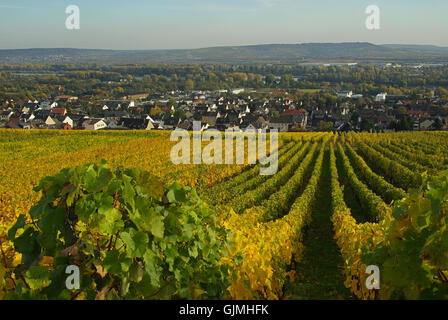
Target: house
[
  {"x": 381, "y": 97},
  {"x": 5, "y": 114},
  {"x": 37, "y": 124},
  {"x": 185, "y": 125},
  {"x": 416, "y": 114},
  {"x": 113, "y": 125},
  {"x": 136, "y": 123},
  {"x": 237, "y": 91},
  {"x": 281, "y": 124},
  {"x": 59, "y": 111},
  {"x": 25, "y": 125},
  {"x": 46, "y": 105},
  {"x": 25, "y": 110},
  {"x": 69, "y": 121},
  {"x": 112, "y": 105},
  {"x": 298, "y": 116},
  {"x": 345, "y": 94},
  {"x": 53, "y": 123},
  {"x": 27, "y": 118},
  {"x": 169, "y": 123},
  {"x": 76, "y": 120},
  {"x": 94, "y": 124},
  {"x": 210, "y": 118},
  {"x": 115, "y": 115},
  {"x": 426, "y": 125}
]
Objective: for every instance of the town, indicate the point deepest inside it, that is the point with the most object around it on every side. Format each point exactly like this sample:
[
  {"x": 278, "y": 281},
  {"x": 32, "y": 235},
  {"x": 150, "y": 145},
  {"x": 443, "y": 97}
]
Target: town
[{"x": 236, "y": 109}]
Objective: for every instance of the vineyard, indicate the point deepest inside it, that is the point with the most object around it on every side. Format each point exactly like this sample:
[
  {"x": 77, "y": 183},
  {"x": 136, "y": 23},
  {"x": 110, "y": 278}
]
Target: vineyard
[{"x": 337, "y": 204}]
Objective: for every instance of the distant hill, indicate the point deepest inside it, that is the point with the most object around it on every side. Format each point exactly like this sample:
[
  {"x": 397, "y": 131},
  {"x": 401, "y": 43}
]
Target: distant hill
[{"x": 269, "y": 53}]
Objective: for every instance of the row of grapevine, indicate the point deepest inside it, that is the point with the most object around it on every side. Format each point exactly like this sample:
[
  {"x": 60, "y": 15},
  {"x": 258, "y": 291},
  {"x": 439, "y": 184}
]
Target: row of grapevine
[
  {"x": 262, "y": 251},
  {"x": 352, "y": 237},
  {"x": 255, "y": 196},
  {"x": 394, "y": 172},
  {"x": 223, "y": 192},
  {"x": 372, "y": 204},
  {"x": 219, "y": 172},
  {"x": 375, "y": 182},
  {"x": 429, "y": 161},
  {"x": 230, "y": 193},
  {"x": 433, "y": 142},
  {"x": 397, "y": 157},
  {"x": 279, "y": 202},
  {"x": 427, "y": 147},
  {"x": 253, "y": 171}
]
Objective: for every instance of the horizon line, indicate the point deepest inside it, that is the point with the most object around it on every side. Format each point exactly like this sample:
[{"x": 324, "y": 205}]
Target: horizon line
[{"x": 226, "y": 46}]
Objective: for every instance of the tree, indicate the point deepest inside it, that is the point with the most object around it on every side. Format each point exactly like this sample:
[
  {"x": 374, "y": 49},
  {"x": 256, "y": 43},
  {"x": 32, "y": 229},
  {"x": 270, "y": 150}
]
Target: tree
[
  {"x": 355, "y": 117},
  {"x": 324, "y": 126},
  {"x": 172, "y": 102},
  {"x": 270, "y": 79},
  {"x": 405, "y": 124},
  {"x": 274, "y": 113},
  {"x": 438, "y": 124},
  {"x": 366, "y": 125},
  {"x": 180, "y": 114},
  {"x": 189, "y": 85},
  {"x": 402, "y": 110},
  {"x": 155, "y": 111}
]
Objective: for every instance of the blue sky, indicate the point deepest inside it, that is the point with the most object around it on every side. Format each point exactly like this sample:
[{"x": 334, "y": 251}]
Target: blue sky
[{"x": 172, "y": 24}]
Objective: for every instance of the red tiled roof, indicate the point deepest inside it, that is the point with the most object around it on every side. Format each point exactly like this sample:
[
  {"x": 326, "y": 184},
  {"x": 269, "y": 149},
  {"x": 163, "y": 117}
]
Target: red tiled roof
[
  {"x": 59, "y": 111},
  {"x": 292, "y": 112}
]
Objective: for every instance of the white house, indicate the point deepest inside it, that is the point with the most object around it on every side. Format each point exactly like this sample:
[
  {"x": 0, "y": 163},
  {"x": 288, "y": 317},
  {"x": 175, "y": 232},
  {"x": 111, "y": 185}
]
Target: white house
[
  {"x": 381, "y": 97},
  {"x": 31, "y": 117},
  {"x": 345, "y": 94},
  {"x": 50, "y": 121},
  {"x": 5, "y": 115},
  {"x": 94, "y": 124},
  {"x": 237, "y": 91},
  {"x": 45, "y": 105},
  {"x": 68, "y": 120}
]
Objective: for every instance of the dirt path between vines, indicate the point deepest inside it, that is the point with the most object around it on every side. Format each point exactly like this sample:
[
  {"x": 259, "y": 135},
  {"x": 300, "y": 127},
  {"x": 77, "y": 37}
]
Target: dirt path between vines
[{"x": 319, "y": 275}]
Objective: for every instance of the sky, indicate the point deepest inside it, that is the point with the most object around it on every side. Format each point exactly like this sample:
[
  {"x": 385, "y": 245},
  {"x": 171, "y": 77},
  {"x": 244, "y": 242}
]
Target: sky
[{"x": 182, "y": 24}]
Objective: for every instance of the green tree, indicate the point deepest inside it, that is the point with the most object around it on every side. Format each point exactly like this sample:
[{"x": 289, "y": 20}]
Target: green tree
[
  {"x": 365, "y": 125},
  {"x": 438, "y": 124},
  {"x": 189, "y": 85},
  {"x": 155, "y": 111},
  {"x": 325, "y": 126}
]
